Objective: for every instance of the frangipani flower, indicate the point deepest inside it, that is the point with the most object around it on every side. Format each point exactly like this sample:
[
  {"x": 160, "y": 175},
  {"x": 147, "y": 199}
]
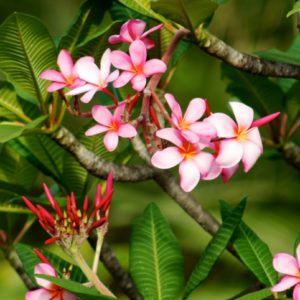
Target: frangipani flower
[
  {"x": 73, "y": 226},
  {"x": 187, "y": 124},
  {"x": 112, "y": 125},
  {"x": 289, "y": 266},
  {"x": 239, "y": 141},
  {"x": 97, "y": 79},
  {"x": 133, "y": 30},
  {"x": 67, "y": 77},
  {"x": 49, "y": 290},
  {"x": 135, "y": 67},
  {"x": 193, "y": 162}
]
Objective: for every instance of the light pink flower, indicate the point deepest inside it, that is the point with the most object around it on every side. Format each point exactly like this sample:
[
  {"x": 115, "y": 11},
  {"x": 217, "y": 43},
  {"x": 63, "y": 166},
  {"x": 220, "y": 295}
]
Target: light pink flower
[
  {"x": 289, "y": 266},
  {"x": 97, "y": 79},
  {"x": 193, "y": 162},
  {"x": 135, "y": 67},
  {"x": 49, "y": 290},
  {"x": 239, "y": 141},
  {"x": 112, "y": 125},
  {"x": 192, "y": 130},
  {"x": 133, "y": 30},
  {"x": 67, "y": 77}
]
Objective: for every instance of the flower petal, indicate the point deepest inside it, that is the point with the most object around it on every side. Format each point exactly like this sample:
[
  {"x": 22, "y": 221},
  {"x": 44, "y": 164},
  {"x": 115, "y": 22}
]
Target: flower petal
[
  {"x": 111, "y": 140},
  {"x": 102, "y": 115},
  {"x": 88, "y": 71},
  {"x": 174, "y": 106},
  {"x": 127, "y": 131},
  {"x": 44, "y": 269},
  {"x": 55, "y": 87},
  {"x": 39, "y": 294},
  {"x": 65, "y": 63},
  {"x": 170, "y": 134},
  {"x": 285, "y": 283},
  {"x": 243, "y": 114},
  {"x": 224, "y": 125},
  {"x": 112, "y": 76},
  {"x": 213, "y": 173},
  {"x": 190, "y": 136},
  {"x": 286, "y": 264},
  {"x": 230, "y": 153},
  {"x": 87, "y": 97},
  {"x": 53, "y": 76},
  {"x": 296, "y": 292},
  {"x": 253, "y": 135},
  {"x": 204, "y": 162},
  {"x": 96, "y": 130},
  {"x": 227, "y": 173},
  {"x": 250, "y": 155},
  {"x": 138, "y": 82},
  {"x": 124, "y": 33},
  {"x": 204, "y": 129},
  {"x": 195, "y": 110},
  {"x": 121, "y": 60},
  {"x": 81, "y": 89},
  {"x": 119, "y": 111},
  {"x": 265, "y": 120},
  {"x": 115, "y": 39},
  {"x": 123, "y": 79},
  {"x": 167, "y": 158},
  {"x": 105, "y": 64},
  {"x": 148, "y": 43},
  {"x": 68, "y": 296},
  {"x": 154, "y": 66},
  {"x": 138, "y": 53},
  {"x": 136, "y": 28},
  {"x": 157, "y": 27},
  {"x": 189, "y": 175}
]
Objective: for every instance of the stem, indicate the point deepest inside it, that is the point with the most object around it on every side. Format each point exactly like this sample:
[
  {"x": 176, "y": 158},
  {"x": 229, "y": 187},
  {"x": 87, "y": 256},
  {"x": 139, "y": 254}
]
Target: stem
[
  {"x": 91, "y": 276},
  {"x": 97, "y": 251}
]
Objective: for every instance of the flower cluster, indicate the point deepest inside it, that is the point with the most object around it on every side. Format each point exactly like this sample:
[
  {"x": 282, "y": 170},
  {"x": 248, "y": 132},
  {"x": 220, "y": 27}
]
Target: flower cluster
[
  {"x": 70, "y": 227},
  {"x": 204, "y": 144},
  {"x": 205, "y": 149},
  {"x": 289, "y": 266}
]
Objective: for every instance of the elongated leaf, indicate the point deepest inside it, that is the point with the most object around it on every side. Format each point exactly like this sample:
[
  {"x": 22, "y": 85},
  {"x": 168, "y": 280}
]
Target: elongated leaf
[
  {"x": 76, "y": 288},
  {"x": 156, "y": 263},
  {"x": 121, "y": 12},
  {"x": 215, "y": 248},
  {"x": 259, "y": 92},
  {"x": 85, "y": 24},
  {"x": 188, "y": 13},
  {"x": 292, "y": 105},
  {"x": 26, "y": 49},
  {"x": 296, "y": 9},
  {"x": 143, "y": 7},
  {"x": 13, "y": 208},
  {"x": 258, "y": 295},
  {"x": 255, "y": 253}
]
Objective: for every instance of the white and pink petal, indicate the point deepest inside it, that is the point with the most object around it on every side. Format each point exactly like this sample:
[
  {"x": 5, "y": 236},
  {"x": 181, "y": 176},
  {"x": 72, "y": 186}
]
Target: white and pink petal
[
  {"x": 189, "y": 175},
  {"x": 167, "y": 158},
  {"x": 111, "y": 140}
]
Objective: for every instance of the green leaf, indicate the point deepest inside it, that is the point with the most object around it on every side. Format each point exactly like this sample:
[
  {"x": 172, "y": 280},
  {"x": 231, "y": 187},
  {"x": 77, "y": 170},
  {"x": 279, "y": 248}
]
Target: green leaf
[
  {"x": 258, "y": 295},
  {"x": 215, "y": 248},
  {"x": 292, "y": 106},
  {"x": 13, "y": 208},
  {"x": 296, "y": 9},
  {"x": 255, "y": 253},
  {"x": 297, "y": 242},
  {"x": 76, "y": 288},
  {"x": 188, "y": 13},
  {"x": 143, "y": 7},
  {"x": 156, "y": 263},
  {"x": 264, "y": 95},
  {"x": 85, "y": 24},
  {"x": 123, "y": 13},
  {"x": 26, "y": 50}
]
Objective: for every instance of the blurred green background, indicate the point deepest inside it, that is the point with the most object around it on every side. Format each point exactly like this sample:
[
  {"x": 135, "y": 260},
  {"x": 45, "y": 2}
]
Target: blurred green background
[{"x": 272, "y": 186}]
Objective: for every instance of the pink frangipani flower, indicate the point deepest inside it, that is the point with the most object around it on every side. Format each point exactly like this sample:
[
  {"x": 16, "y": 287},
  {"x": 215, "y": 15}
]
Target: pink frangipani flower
[
  {"x": 67, "y": 77},
  {"x": 112, "y": 125},
  {"x": 133, "y": 30},
  {"x": 239, "y": 141},
  {"x": 193, "y": 162},
  {"x": 49, "y": 290},
  {"x": 135, "y": 67},
  {"x": 97, "y": 79},
  {"x": 192, "y": 130},
  {"x": 289, "y": 266}
]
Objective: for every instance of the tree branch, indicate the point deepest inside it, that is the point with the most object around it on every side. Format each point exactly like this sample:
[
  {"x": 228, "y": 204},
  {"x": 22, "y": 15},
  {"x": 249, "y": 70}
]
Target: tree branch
[
  {"x": 291, "y": 154},
  {"x": 245, "y": 62},
  {"x": 95, "y": 164}
]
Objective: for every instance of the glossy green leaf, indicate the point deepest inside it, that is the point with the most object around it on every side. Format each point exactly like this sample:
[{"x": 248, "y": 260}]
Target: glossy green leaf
[
  {"x": 258, "y": 295},
  {"x": 188, "y": 13},
  {"x": 255, "y": 253},
  {"x": 215, "y": 248},
  {"x": 13, "y": 208},
  {"x": 85, "y": 24},
  {"x": 156, "y": 263},
  {"x": 123, "y": 13},
  {"x": 292, "y": 106},
  {"x": 26, "y": 50},
  {"x": 76, "y": 288},
  {"x": 264, "y": 95},
  {"x": 296, "y": 9}
]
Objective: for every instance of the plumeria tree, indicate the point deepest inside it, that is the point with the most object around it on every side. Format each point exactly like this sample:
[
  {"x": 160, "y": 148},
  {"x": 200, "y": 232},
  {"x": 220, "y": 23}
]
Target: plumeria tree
[{"x": 111, "y": 79}]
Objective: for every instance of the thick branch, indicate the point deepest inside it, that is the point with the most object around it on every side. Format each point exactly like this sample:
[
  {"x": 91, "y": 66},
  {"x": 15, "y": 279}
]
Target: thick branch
[
  {"x": 291, "y": 153},
  {"x": 245, "y": 62},
  {"x": 98, "y": 166}
]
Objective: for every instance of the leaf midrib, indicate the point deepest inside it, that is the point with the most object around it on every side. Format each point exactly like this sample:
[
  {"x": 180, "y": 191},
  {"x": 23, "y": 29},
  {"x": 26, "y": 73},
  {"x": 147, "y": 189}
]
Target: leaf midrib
[{"x": 14, "y": 110}]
